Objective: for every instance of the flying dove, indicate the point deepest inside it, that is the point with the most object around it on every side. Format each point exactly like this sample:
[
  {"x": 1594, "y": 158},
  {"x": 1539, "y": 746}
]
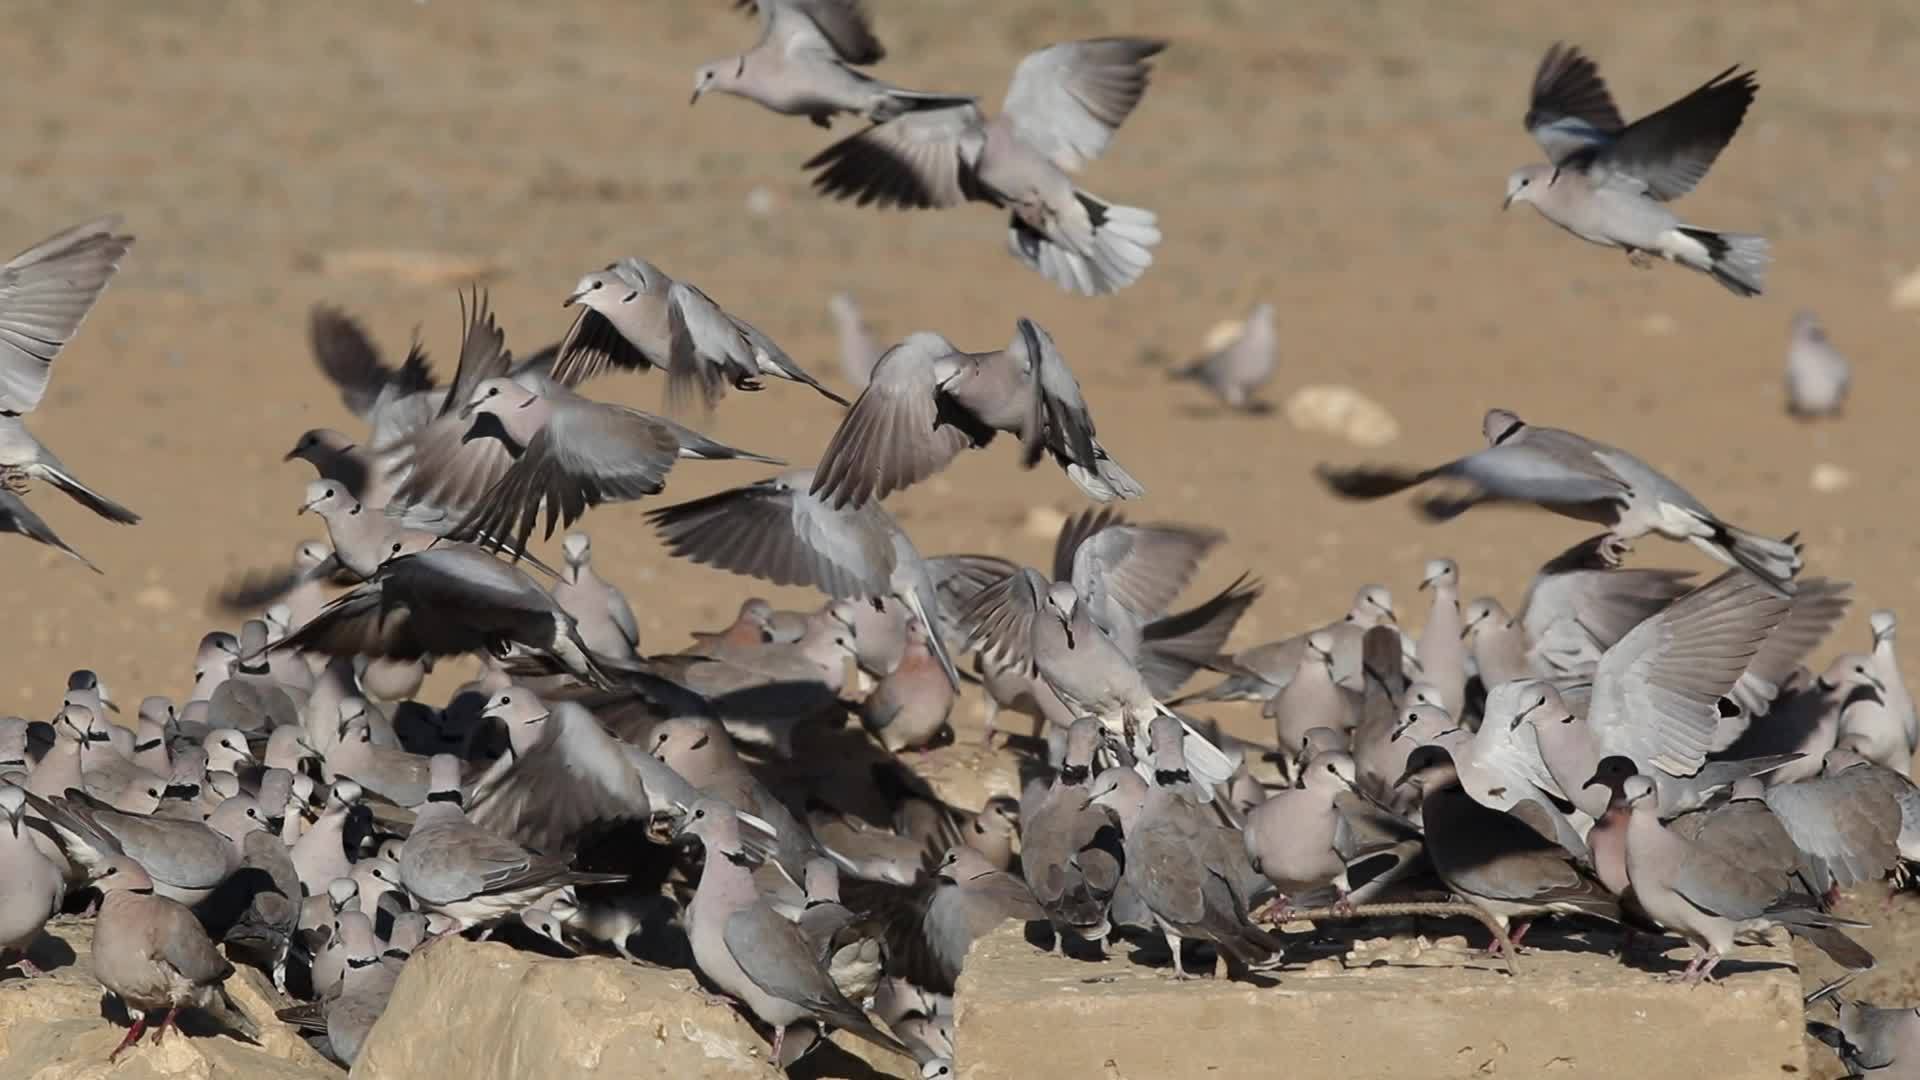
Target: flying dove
[
  {"x": 151, "y": 953},
  {"x": 46, "y": 292},
  {"x": 750, "y": 952},
  {"x": 857, "y": 349},
  {"x": 1235, "y": 372},
  {"x": 701, "y": 751},
  {"x": 362, "y": 538},
  {"x": 776, "y": 530},
  {"x": 1818, "y": 375},
  {"x": 600, "y": 611},
  {"x": 336, "y": 458},
  {"x": 1707, "y": 898},
  {"x": 926, "y": 401},
  {"x": 1577, "y": 477},
  {"x": 804, "y": 65},
  {"x": 1583, "y": 600},
  {"x": 461, "y": 870},
  {"x": 390, "y": 400},
  {"x": 634, "y": 317},
  {"x": 1607, "y": 182},
  {"x": 1061, "y": 110}
]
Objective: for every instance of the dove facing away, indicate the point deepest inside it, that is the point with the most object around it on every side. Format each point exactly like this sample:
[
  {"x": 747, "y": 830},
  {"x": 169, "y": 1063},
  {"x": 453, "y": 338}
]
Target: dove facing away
[
  {"x": 46, "y": 292},
  {"x": 1235, "y": 371},
  {"x": 1608, "y": 182},
  {"x": 1577, "y": 477},
  {"x": 1818, "y": 376},
  {"x": 1061, "y": 110},
  {"x": 804, "y": 65},
  {"x": 926, "y": 401}
]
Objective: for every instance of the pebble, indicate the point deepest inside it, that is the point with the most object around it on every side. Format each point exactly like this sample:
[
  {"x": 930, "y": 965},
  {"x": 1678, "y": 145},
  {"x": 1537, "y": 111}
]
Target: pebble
[
  {"x": 1044, "y": 522},
  {"x": 1828, "y": 479},
  {"x": 1343, "y": 412},
  {"x": 1906, "y": 292},
  {"x": 155, "y": 598}
]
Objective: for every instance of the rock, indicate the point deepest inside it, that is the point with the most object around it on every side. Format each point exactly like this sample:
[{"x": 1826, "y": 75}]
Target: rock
[
  {"x": 1043, "y": 522},
  {"x": 1906, "y": 292},
  {"x": 482, "y": 1011},
  {"x": 1827, "y": 479},
  {"x": 1421, "y": 1009},
  {"x": 1659, "y": 324},
  {"x": 1343, "y": 412},
  {"x": 53, "y": 1028}
]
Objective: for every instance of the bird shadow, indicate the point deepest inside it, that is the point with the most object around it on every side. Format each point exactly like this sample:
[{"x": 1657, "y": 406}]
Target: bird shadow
[
  {"x": 48, "y": 953},
  {"x": 827, "y": 1061},
  {"x": 192, "y": 1023},
  {"x": 1200, "y": 960}
]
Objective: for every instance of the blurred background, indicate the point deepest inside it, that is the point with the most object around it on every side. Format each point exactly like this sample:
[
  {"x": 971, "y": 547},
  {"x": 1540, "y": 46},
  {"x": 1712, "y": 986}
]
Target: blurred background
[{"x": 1344, "y": 161}]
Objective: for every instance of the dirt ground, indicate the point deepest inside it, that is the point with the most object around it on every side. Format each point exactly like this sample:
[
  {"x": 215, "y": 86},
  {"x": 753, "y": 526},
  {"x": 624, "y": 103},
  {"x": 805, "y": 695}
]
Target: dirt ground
[{"x": 1342, "y": 160}]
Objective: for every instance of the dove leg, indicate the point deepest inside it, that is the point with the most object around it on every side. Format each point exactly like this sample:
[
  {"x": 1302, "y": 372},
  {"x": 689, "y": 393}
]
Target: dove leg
[
  {"x": 165, "y": 1023},
  {"x": 133, "y": 1036},
  {"x": 1173, "y": 944}
]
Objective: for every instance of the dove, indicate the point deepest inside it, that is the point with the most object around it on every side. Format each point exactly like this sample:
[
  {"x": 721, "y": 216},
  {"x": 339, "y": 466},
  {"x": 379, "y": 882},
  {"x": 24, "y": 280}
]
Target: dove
[
  {"x": 388, "y": 773},
  {"x": 1886, "y": 666},
  {"x": 1805, "y": 720},
  {"x": 387, "y": 398},
  {"x": 461, "y": 870},
  {"x": 1312, "y": 699},
  {"x": 320, "y": 854},
  {"x": 1869, "y": 1039},
  {"x": 1608, "y": 182},
  {"x": 748, "y": 951},
  {"x": 852, "y": 958},
  {"x": 1060, "y": 112},
  {"x": 151, "y": 953},
  {"x": 186, "y": 860},
  {"x": 600, "y": 611},
  {"x": 1301, "y": 838},
  {"x": 364, "y": 988},
  {"x": 1071, "y": 852},
  {"x": 362, "y": 538},
  {"x": 1891, "y": 784},
  {"x": 1192, "y": 874},
  {"x": 1442, "y": 653},
  {"x": 634, "y": 317},
  {"x": 805, "y": 64},
  {"x": 857, "y": 350},
  {"x": 778, "y": 531},
  {"x": 1234, "y": 372},
  {"x": 1869, "y": 729},
  {"x": 1577, "y": 477},
  {"x": 449, "y": 600},
  {"x": 1707, "y": 898},
  {"x": 1496, "y": 641},
  {"x": 32, "y": 886},
  {"x": 46, "y": 292},
  {"x": 212, "y": 662},
  {"x": 1818, "y": 375},
  {"x": 908, "y": 709},
  {"x": 701, "y": 751},
  {"x": 926, "y": 401},
  {"x": 1264, "y": 670},
  {"x": 337, "y": 459},
  {"x": 1582, "y": 601},
  {"x": 1497, "y": 861}
]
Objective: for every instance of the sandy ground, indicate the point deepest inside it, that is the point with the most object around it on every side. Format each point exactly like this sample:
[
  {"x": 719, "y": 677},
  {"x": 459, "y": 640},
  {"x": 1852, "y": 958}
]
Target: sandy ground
[{"x": 1344, "y": 161}]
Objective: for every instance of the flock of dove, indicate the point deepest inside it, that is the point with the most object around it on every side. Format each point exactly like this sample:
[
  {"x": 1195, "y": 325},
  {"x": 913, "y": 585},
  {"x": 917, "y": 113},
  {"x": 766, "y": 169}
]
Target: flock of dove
[{"x": 1625, "y": 748}]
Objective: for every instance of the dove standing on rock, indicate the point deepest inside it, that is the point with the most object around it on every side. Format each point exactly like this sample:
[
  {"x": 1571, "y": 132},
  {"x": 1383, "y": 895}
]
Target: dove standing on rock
[
  {"x": 1818, "y": 376},
  {"x": 1071, "y": 849},
  {"x": 804, "y": 65},
  {"x": 1060, "y": 112},
  {"x": 32, "y": 886},
  {"x": 748, "y": 951},
  {"x": 1243, "y": 366},
  {"x": 1577, "y": 477},
  {"x": 152, "y": 954},
  {"x": 46, "y": 291},
  {"x": 1609, "y": 182}
]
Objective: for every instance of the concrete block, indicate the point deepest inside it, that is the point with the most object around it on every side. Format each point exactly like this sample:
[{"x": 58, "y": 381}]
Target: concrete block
[{"x": 1402, "y": 1007}]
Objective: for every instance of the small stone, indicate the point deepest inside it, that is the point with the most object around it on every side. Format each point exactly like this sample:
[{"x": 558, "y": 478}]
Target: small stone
[
  {"x": 155, "y": 598},
  {"x": 1343, "y": 412},
  {"x": 1044, "y": 522},
  {"x": 1828, "y": 479},
  {"x": 1659, "y": 324},
  {"x": 761, "y": 201},
  {"x": 1906, "y": 292}
]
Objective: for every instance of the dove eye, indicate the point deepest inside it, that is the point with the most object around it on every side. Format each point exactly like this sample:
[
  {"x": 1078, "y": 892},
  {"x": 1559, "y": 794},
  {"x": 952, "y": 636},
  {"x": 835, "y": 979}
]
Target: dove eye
[{"x": 697, "y": 814}]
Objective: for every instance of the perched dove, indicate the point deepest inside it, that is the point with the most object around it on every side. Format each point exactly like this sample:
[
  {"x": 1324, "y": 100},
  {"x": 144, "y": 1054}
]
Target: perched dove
[
  {"x": 804, "y": 65},
  {"x": 1441, "y": 646},
  {"x": 1608, "y": 182},
  {"x": 1886, "y": 666},
  {"x": 32, "y": 886},
  {"x": 1236, "y": 372},
  {"x": 1061, "y": 110},
  {"x": 1577, "y": 477},
  {"x": 1071, "y": 848}
]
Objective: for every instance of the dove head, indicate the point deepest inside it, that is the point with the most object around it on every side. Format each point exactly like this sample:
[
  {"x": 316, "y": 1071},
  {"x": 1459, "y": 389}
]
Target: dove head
[
  {"x": 1530, "y": 702},
  {"x": 1485, "y": 612},
  {"x": 1847, "y": 673},
  {"x": 342, "y": 891},
  {"x": 157, "y": 708},
  {"x": 995, "y": 826},
  {"x": 279, "y": 620},
  {"x": 1612, "y": 773},
  {"x": 1319, "y": 740},
  {"x": 1372, "y": 606},
  {"x": 1167, "y": 739},
  {"x": 226, "y": 748},
  {"x": 1120, "y": 789},
  {"x": 1330, "y": 771},
  {"x": 308, "y": 554},
  {"x": 1061, "y": 600},
  {"x": 318, "y": 445},
  {"x": 121, "y": 874},
  {"x": 1499, "y": 425},
  {"x": 681, "y": 740},
  {"x": 1419, "y": 720},
  {"x": 1320, "y": 647},
  {"x": 1883, "y": 625},
  {"x": 1440, "y": 572},
  {"x": 822, "y": 881},
  {"x": 719, "y": 75},
  {"x": 327, "y": 498},
  {"x": 13, "y": 804},
  {"x": 1526, "y": 182},
  {"x": 1429, "y": 766},
  {"x": 1083, "y": 740},
  {"x": 1423, "y": 693},
  {"x": 714, "y": 824},
  {"x": 253, "y": 637},
  {"x": 497, "y": 397},
  {"x": 524, "y": 715},
  {"x": 1637, "y": 791},
  {"x": 237, "y": 816},
  {"x": 961, "y": 865},
  {"x": 346, "y": 793},
  {"x": 577, "y": 548}
]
